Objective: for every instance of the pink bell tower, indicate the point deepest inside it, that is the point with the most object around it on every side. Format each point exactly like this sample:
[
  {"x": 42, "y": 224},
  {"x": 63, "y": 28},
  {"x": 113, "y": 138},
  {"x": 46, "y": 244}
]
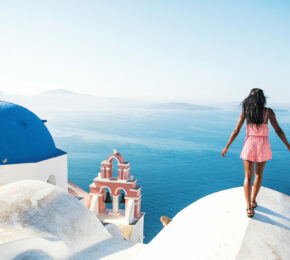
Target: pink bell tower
[{"x": 132, "y": 215}]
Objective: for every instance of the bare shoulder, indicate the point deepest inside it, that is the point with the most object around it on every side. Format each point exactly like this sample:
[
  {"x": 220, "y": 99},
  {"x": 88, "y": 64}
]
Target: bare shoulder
[{"x": 270, "y": 112}]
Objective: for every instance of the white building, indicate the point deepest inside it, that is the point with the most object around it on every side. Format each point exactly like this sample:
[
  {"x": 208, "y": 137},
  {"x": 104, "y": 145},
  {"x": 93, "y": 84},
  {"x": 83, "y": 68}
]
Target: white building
[{"x": 27, "y": 150}]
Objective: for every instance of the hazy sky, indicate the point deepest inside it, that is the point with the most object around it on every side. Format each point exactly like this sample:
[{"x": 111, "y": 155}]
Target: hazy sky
[{"x": 194, "y": 51}]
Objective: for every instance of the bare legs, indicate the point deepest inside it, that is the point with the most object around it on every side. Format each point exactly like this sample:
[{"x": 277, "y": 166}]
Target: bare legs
[
  {"x": 258, "y": 178},
  {"x": 249, "y": 171}
]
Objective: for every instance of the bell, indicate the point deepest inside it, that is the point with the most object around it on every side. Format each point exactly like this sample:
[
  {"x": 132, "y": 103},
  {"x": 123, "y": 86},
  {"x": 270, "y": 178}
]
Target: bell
[
  {"x": 108, "y": 198},
  {"x": 122, "y": 200}
]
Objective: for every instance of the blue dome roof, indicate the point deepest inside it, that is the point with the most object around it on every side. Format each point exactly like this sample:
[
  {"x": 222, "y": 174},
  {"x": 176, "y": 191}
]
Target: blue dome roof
[{"x": 23, "y": 136}]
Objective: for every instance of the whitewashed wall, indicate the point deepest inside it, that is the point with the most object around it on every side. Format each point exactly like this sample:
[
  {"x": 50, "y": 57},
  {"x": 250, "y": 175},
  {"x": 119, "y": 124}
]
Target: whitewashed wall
[
  {"x": 52, "y": 170},
  {"x": 138, "y": 231}
]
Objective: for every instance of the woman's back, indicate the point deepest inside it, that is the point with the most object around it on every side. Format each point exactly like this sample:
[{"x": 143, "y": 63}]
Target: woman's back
[
  {"x": 254, "y": 130},
  {"x": 257, "y": 146},
  {"x": 259, "y": 130}
]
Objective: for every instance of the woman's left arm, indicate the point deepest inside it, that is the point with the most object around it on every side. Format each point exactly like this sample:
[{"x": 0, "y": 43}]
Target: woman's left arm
[{"x": 234, "y": 134}]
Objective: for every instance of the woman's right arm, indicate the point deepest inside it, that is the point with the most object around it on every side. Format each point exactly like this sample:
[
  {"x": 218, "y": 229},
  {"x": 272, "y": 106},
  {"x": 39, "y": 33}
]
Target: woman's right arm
[
  {"x": 277, "y": 128},
  {"x": 234, "y": 133}
]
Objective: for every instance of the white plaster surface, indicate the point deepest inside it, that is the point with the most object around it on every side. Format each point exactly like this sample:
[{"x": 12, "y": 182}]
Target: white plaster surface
[
  {"x": 114, "y": 231},
  {"x": 217, "y": 227},
  {"x": 121, "y": 217},
  {"x": 42, "y": 170},
  {"x": 138, "y": 230},
  {"x": 41, "y": 221},
  {"x": 110, "y": 217}
]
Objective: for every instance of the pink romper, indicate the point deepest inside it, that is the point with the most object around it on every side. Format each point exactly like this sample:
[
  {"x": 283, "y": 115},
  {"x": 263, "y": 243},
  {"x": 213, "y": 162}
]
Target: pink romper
[{"x": 257, "y": 146}]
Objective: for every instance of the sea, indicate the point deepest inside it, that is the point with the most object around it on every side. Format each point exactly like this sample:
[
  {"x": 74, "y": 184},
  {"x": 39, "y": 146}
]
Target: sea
[{"x": 175, "y": 155}]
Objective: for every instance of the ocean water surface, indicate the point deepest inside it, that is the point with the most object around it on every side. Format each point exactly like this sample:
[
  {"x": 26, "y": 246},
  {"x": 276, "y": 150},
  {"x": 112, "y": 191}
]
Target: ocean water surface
[{"x": 175, "y": 155}]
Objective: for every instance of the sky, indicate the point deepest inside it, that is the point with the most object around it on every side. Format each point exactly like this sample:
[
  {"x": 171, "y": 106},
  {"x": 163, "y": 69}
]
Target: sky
[{"x": 162, "y": 50}]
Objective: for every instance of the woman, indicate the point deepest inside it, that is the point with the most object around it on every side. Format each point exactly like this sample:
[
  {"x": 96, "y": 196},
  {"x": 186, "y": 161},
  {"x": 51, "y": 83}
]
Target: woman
[{"x": 256, "y": 147}]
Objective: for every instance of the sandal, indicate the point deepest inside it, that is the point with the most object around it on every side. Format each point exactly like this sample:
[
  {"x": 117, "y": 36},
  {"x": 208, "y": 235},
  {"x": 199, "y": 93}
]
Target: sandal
[
  {"x": 250, "y": 215},
  {"x": 255, "y": 204}
]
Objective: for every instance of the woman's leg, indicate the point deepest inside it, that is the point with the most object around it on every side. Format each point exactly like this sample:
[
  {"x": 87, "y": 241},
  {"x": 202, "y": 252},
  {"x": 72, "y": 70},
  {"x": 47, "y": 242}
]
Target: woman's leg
[
  {"x": 249, "y": 170},
  {"x": 258, "y": 178}
]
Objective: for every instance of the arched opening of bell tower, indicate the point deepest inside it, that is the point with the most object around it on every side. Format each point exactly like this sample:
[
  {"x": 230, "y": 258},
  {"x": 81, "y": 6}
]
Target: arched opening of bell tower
[
  {"x": 121, "y": 198},
  {"x": 115, "y": 164},
  {"x": 107, "y": 197}
]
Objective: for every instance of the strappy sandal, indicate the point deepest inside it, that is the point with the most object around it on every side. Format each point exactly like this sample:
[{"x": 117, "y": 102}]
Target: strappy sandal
[
  {"x": 255, "y": 203},
  {"x": 250, "y": 215}
]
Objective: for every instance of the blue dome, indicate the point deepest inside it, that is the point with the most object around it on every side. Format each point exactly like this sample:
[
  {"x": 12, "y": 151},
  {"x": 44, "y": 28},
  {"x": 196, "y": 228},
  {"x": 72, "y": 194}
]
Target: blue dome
[{"x": 23, "y": 136}]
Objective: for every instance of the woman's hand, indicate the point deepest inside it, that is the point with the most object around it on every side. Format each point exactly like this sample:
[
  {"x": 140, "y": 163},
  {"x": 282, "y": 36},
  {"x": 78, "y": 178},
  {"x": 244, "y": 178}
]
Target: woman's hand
[{"x": 225, "y": 150}]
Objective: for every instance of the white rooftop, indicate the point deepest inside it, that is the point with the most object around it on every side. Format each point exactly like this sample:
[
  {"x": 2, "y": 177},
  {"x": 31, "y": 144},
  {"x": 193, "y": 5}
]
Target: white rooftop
[
  {"x": 217, "y": 227},
  {"x": 41, "y": 221}
]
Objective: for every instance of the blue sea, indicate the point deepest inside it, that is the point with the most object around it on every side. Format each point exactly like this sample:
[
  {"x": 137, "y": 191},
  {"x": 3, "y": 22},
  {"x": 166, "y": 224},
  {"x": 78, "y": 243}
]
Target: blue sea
[{"x": 175, "y": 155}]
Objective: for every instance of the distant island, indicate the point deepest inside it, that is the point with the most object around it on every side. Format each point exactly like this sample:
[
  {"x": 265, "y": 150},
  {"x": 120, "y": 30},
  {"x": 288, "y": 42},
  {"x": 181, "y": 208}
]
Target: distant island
[
  {"x": 63, "y": 99},
  {"x": 280, "y": 110},
  {"x": 181, "y": 106},
  {"x": 59, "y": 92}
]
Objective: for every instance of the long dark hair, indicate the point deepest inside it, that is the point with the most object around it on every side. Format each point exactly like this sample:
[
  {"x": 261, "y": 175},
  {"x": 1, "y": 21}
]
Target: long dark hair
[{"x": 253, "y": 106}]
